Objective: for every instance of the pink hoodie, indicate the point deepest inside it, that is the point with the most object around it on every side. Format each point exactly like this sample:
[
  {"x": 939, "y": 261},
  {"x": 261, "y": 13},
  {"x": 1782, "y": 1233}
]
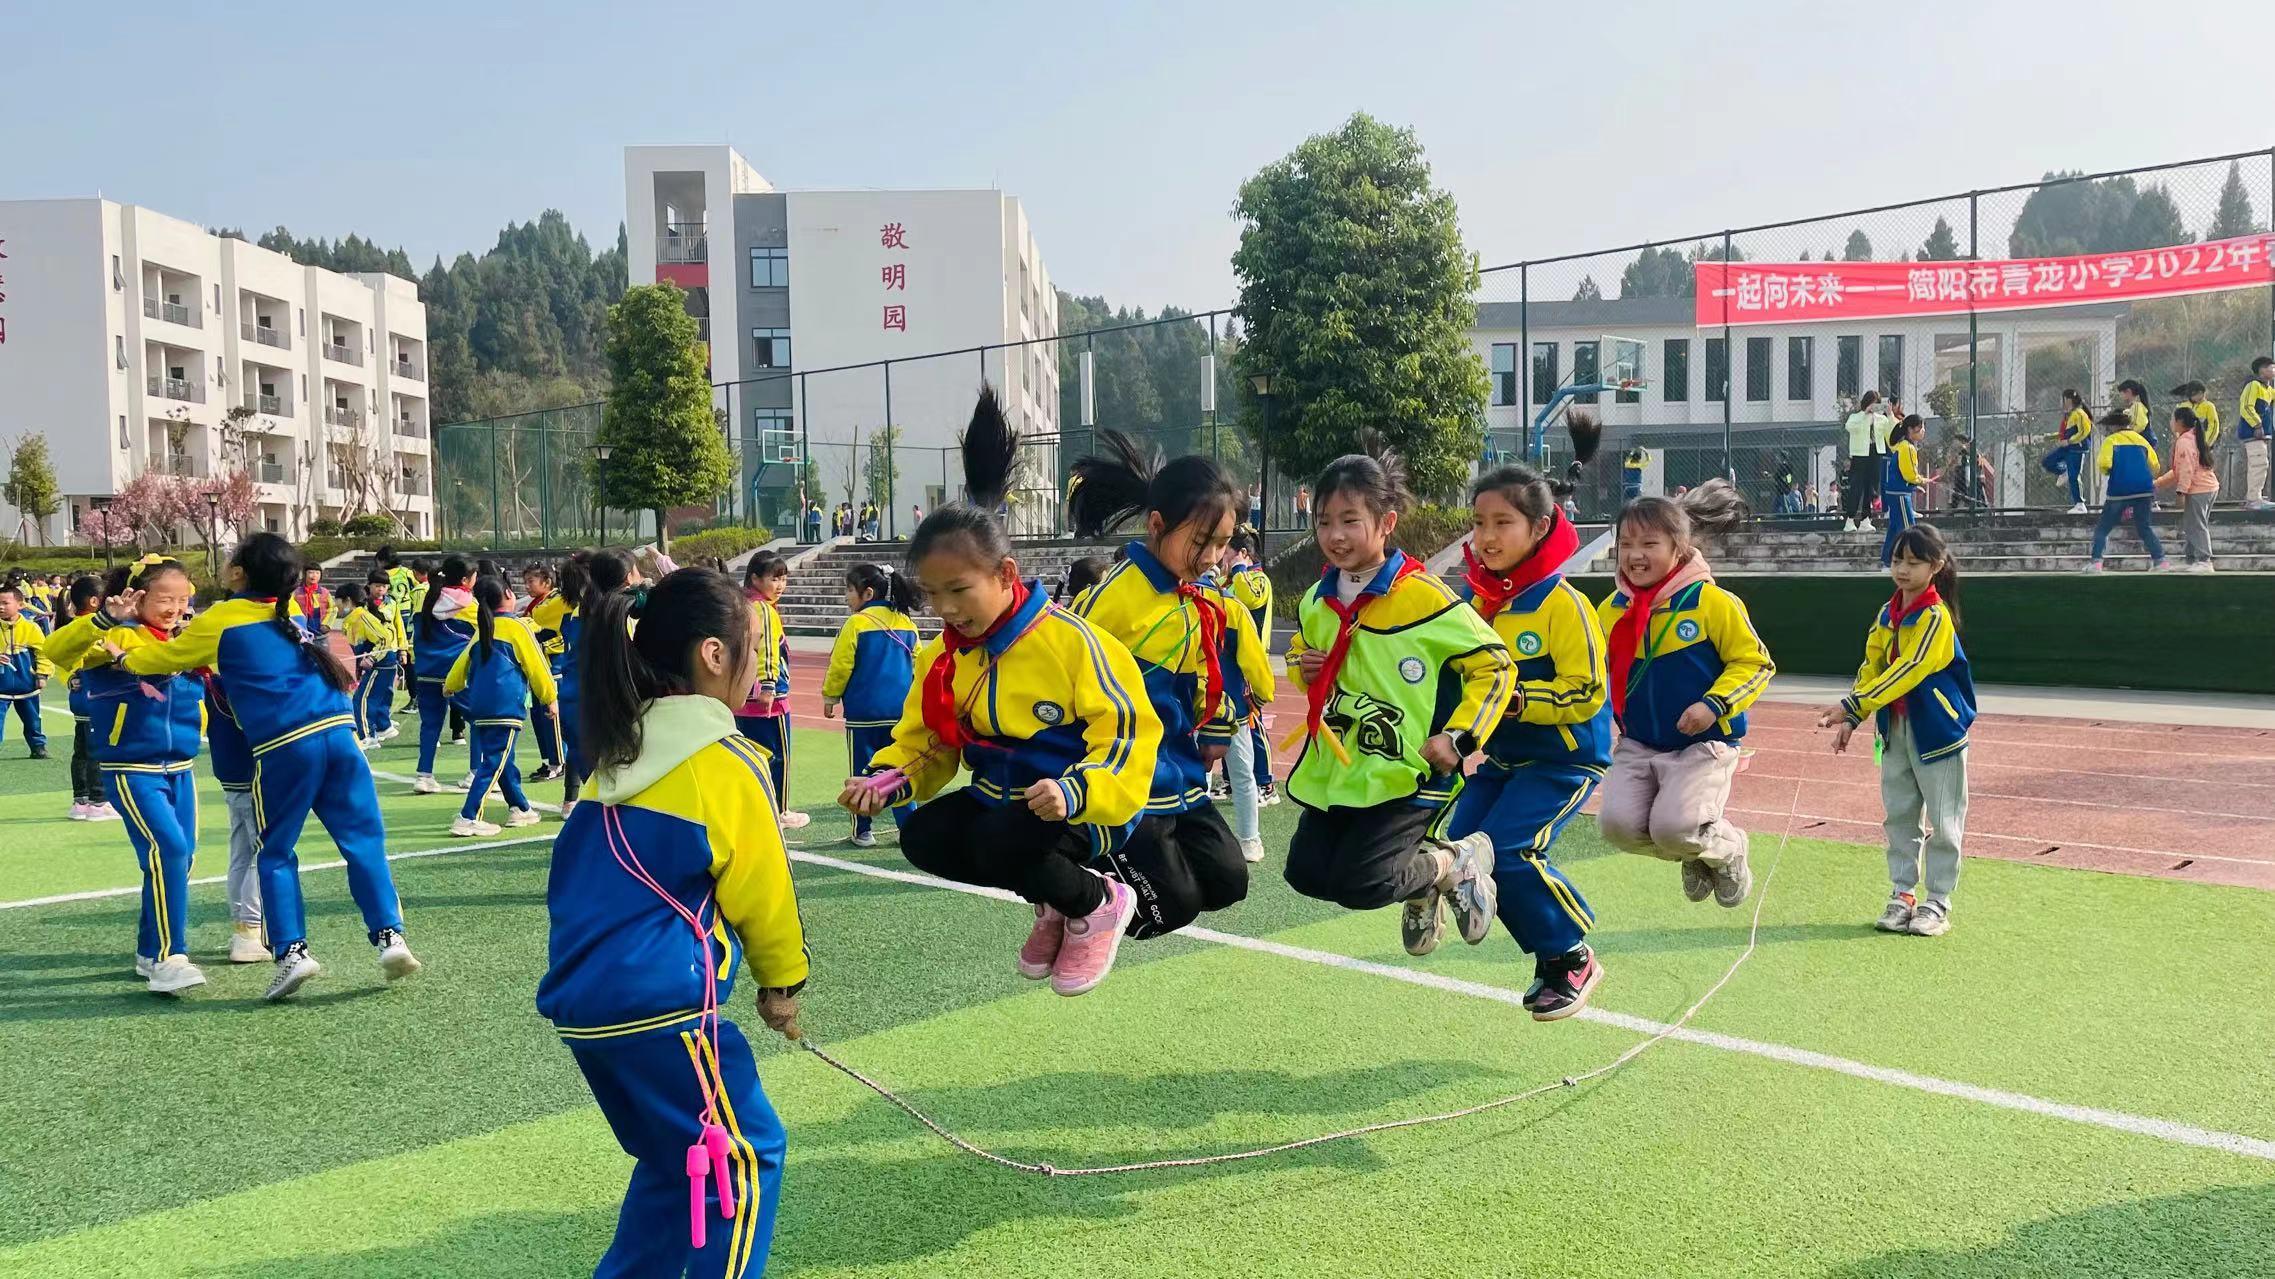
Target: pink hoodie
[{"x": 2188, "y": 473}]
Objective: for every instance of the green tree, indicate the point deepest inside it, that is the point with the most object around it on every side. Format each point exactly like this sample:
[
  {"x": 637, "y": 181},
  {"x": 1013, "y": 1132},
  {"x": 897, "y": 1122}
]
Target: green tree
[
  {"x": 666, "y": 448},
  {"x": 1589, "y": 290},
  {"x": 2067, "y": 217},
  {"x": 1858, "y": 248},
  {"x": 1942, "y": 245},
  {"x": 880, "y": 467},
  {"x": 2234, "y": 216},
  {"x": 31, "y": 486},
  {"x": 1657, "y": 273},
  {"x": 1356, "y": 297}
]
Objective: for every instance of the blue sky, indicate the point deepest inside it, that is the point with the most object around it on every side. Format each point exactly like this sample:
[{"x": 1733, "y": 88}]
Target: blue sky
[{"x": 1125, "y": 128}]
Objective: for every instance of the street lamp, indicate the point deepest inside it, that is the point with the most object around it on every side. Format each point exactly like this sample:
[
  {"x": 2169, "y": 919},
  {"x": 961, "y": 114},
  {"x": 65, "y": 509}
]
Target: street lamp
[
  {"x": 1262, "y": 382},
  {"x": 600, "y": 454},
  {"x": 101, "y": 505},
  {"x": 212, "y": 535}
]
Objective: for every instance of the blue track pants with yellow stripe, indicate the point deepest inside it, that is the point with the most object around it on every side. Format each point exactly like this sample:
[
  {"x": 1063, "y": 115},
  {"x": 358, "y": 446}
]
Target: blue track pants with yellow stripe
[
  {"x": 862, "y": 742},
  {"x": 373, "y": 700},
  {"x": 648, "y": 1087},
  {"x": 161, "y": 821},
  {"x": 1523, "y": 809},
  {"x": 772, "y": 732},
  {"x": 323, "y": 773},
  {"x": 545, "y": 730},
  {"x": 491, "y": 744}
]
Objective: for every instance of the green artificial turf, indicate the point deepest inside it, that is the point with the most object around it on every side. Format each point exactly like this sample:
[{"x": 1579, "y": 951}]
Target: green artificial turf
[{"x": 438, "y": 1129}]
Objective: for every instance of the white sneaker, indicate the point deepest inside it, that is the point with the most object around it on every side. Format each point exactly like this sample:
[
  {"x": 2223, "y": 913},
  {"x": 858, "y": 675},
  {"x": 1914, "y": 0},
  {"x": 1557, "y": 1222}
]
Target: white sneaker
[
  {"x": 2092, "y": 566},
  {"x": 293, "y": 969},
  {"x": 523, "y": 817},
  {"x": 1931, "y": 920},
  {"x": 863, "y": 839},
  {"x": 367, "y": 744},
  {"x": 795, "y": 821},
  {"x": 246, "y": 947},
  {"x": 2078, "y": 509},
  {"x": 1848, "y": 526},
  {"x": 568, "y": 806},
  {"x": 426, "y": 785},
  {"x": 2200, "y": 566},
  {"x": 465, "y": 783},
  {"x": 174, "y": 974},
  {"x": 470, "y": 827},
  {"x": 391, "y": 734},
  {"x": 1865, "y": 526},
  {"x": 395, "y": 959},
  {"x": 104, "y": 813},
  {"x": 143, "y": 964},
  {"x": 1251, "y": 851},
  {"x": 1897, "y": 916},
  {"x": 1474, "y": 898},
  {"x": 82, "y": 812},
  {"x": 1267, "y": 798}
]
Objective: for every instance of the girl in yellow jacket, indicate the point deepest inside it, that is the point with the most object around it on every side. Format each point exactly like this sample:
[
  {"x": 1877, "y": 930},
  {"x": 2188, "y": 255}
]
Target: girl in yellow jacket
[{"x": 1050, "y": 716}]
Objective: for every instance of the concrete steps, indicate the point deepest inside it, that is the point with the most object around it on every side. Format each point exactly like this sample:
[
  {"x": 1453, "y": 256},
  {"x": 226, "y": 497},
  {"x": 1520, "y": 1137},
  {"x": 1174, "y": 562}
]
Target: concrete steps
[{"x": 2242, "y": 541}]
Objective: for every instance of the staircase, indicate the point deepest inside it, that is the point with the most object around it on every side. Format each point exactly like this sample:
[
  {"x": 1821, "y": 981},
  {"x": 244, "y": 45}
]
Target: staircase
[
  {"x": 814, "y": 602},
  {"x": 356, "y": 566},
  {"x": 2020, "y": 542}
]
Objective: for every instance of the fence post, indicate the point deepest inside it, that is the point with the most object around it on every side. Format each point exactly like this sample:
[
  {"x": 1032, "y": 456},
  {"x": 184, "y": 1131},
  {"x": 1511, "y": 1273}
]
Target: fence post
[
  {"x": 1729, "y": 361},
  {"x": 2271, "y": 292},
  {"x": 1967, "y": 456},
  {"x": 497, "y": 525},
  {"x": 892, "y": 517},
  {"x": 1524, "y": 355},
  {"x": 544, "y": 487}
]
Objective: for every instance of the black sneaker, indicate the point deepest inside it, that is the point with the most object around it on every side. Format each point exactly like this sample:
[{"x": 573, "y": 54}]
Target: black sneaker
[
  {"x": 1564, "y": 986},
  {"x": 39, "y": 752},
  {"x": 546, "y": 773}
]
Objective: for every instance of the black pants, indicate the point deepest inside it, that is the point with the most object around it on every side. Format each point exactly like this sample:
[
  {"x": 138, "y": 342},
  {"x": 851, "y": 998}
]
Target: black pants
[
  {"x": 1180, "y": 866},
  {"x": 1363, "y": 858},
  {"x": 958, "y": 837},
  {"x": 86, "y": 779},
  {"x": 1863, "y": 482}
]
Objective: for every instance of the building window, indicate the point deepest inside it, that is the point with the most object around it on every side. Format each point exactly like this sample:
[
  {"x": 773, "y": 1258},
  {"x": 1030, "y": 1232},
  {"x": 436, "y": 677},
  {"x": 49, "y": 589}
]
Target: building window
[
  {"x": 1504, "y": 373},
  {"x": 770, "y": 268},
  {"x": 120, "y": 339},
  {"x": 1584, "y": 370},
  {"x": 770, "y": 348},
  {"x": 1717, "y": 370},
  {"x": 1892, "y": 366},
  {"x": 1544, "y": 379},
  {"x": 1674, "y": 371},
  {"x": 118, "y": 275},
  {"x": 1757, "y": 370},
  {"x": 303, "y": 323},
  {"x": 123, "y": 441},
  {"x": 1848, "y": 367},
  {"x": 217, "y": 299},
  {"x": 1801, "y": 368}
]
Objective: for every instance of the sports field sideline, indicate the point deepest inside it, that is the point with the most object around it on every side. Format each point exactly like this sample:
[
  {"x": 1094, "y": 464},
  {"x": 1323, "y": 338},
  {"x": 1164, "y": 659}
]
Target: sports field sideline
[{"x": 2075, "y": 1081}]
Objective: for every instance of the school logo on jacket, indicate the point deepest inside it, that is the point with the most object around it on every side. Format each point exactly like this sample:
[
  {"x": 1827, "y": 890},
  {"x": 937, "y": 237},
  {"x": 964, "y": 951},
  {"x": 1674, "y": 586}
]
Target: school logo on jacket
[
  {"x": 1367, "y": 725},
  {"x": 1412, "y": 670},
  {"x": 1529, "y": 643},
  {"x": 1686, "y": 630},
  {"x": 1049, "y": 712}
]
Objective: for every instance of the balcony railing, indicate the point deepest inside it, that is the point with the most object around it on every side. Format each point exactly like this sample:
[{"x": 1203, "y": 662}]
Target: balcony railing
[
  {"x": 412, "y": 485},
  {"x": 269, "y": 472},
  {"x": 173, "y": 313},
  {"x": 410, "y": 429},
  {"x": 344, "y": 354},
  {"x": 337, "y": 416},
  {"x": 266, "y": 336},
  {"x": 178, "y": 464},
  {"x": 685, "y": 242},
  {"x": 174, "y": 388},
  {"x": 411, "y": 369}
]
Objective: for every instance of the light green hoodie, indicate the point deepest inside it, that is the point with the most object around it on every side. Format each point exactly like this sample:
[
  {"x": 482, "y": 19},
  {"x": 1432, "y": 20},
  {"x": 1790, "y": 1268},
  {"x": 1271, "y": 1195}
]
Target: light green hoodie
[{"x": 671, "y": 730}]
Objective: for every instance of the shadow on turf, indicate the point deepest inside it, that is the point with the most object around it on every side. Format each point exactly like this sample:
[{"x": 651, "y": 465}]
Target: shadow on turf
[
  {"x": 133, "y": 1001},
  {"x": 2227, "y": 1233}
]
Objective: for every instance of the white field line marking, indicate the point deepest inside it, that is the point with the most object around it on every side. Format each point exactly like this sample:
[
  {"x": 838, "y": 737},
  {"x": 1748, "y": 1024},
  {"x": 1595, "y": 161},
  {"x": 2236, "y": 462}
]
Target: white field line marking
[
  {"x": 98, "y": 894},
  {"x": 2064, "y": 844},
  {"x": 2119, "y": 1121}
]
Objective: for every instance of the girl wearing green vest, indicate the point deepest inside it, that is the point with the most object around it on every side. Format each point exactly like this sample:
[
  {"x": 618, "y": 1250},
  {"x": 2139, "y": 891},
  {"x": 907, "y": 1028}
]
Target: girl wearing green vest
[{"x": 1402, "y": 682}]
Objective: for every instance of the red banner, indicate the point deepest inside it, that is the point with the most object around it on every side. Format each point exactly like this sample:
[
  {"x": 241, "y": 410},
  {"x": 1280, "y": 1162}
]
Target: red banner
[{"x": 1790, "y": 292}]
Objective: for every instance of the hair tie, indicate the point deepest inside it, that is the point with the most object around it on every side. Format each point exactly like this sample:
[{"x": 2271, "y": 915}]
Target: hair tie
[{"x": 639, "y": 596}]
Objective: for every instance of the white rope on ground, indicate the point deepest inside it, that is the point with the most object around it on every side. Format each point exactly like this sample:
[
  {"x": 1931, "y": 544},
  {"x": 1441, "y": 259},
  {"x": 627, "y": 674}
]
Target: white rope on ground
[{"x": 1753, "y": 940}]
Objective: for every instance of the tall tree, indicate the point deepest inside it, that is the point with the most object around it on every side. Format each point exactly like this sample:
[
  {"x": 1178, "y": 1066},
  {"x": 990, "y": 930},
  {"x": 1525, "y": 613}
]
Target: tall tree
[
  {"x": 665, "y": 446},
  {"x": 2234, "y": 216},
  {"x": 31, "y": 486},
  {"x": 1858, "y": 248},
  {"x": 1657, "y": 273},
  {"x": 1356, "y": 297},
  {"x": 1588, "y": 291},
  {"x": 881, "y": 469},
  {"x": 1942, "y": 245},
  {"x": 2067, "y": 217}
]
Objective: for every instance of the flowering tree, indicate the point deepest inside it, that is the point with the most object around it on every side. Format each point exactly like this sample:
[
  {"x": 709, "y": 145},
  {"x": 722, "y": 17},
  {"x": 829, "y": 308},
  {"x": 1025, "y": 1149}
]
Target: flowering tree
[
  {"x": 105, "y": 528},
  {"x": 235, "y": 501},
  {"x": 155, "y": 507}
]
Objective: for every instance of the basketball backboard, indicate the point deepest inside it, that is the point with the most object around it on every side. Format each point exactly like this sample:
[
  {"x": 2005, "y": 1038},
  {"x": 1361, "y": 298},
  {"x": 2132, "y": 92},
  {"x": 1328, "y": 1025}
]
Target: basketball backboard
[{"x": 1621, "y": 362}]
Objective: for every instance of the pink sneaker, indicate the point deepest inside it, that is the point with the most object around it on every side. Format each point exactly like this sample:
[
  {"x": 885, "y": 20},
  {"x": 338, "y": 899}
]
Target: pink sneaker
[
  {"x": 1041, "y": 950},
  {"x": 1091, "y": 941},
  {"x": 80, "y": 811}
]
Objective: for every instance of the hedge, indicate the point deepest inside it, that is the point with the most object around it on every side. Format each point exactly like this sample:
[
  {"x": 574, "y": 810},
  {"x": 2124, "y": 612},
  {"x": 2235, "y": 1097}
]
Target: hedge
[
  {"x": 1421, "y": 532},
  {"x": 726, "y": 543}
]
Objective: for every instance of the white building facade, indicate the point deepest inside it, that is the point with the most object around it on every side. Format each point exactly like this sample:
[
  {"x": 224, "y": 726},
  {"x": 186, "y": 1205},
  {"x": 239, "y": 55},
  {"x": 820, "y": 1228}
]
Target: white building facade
[
  {"x": 138, "y": 342},
  {"x": 796, "y": 287}
]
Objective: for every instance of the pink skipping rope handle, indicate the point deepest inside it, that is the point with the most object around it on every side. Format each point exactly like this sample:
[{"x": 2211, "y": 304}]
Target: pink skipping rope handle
[{"x": 708, "y": 1156}]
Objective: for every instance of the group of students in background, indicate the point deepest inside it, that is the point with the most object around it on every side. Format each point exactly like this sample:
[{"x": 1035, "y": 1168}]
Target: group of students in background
[{"x": 864, "y": 524}]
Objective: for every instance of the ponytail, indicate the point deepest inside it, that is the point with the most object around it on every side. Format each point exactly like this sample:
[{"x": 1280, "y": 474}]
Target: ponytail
[
  {"x": 990, "y": 448},
  {"x": 272, "y": 567},
  {"x": 489, "y": 597},
  {"x": 622, "y": 669},
  {"x": 1537, "y": 495},
  {"x": 453, "y": 571},
  {"x": 889, "y": 585}
]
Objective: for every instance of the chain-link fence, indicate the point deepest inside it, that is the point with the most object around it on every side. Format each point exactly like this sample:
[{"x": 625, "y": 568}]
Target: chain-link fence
[{"x": 1975, "y": 311}]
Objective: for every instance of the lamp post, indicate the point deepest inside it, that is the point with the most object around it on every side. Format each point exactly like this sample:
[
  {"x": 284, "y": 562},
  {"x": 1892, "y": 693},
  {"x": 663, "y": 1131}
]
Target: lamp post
[
  {"x": 600, "y": 454},
  {"x": 1263, "y": 384},
  {"x": 101, "y": 504},
  {"x": 212, "y": 535}
]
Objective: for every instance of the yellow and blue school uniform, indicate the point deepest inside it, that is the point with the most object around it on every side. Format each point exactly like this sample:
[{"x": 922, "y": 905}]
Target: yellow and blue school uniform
[
  {"x": 771, "y": 730},
  {"x": 2255, "y": 415},
  {"x": 1044, "y": 697},
  {"x": 23, "y": 669},
  {"x": 1899, "y": 478},
  {"x": 1251, "y": 588},
  {"x": 1632, "y": 465},
  {"x": 2067, "y": 457},
  {"x": 545, "y": 617},
  {"x": 1543, "y": 763},
  {"x": 495, "y": 683},
  {"x": 1698, "y": 645},
  {"x": 1918, "y": 670},
  {"x": 2209, "y": 415},
  {"x": 375, "y": 636},
  {"x": 2129, "y": 463},
  {"x": 305, "y": 756},
  {"x": 662, "y": 886},
  {"x": 145, "y": 732},
  {"x": 872, "y": 666},
  {"x": 436, "y": 643}
]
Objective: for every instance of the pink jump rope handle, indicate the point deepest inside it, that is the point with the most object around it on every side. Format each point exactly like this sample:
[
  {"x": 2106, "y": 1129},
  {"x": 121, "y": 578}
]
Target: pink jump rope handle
[
  {"x": 887, "y": 782},
  {"x": 698, "y": 1167},
  {"x": 715, "y": 1145}
]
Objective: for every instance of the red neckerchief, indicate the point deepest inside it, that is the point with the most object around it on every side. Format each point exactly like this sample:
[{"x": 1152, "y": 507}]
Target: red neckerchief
[
  {"x": 940, "y": 682},
  {"x": 1492, "y": 592},
  {"x": 1627, "y": 633},
  {"x": 1212, "y": 646},
  {"x": 1896, "y": 615},
  {"x": 1322, "y": 690}
]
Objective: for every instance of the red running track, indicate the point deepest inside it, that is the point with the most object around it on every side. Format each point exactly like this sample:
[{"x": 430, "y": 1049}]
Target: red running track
[{"x": 2138, "y": 799}]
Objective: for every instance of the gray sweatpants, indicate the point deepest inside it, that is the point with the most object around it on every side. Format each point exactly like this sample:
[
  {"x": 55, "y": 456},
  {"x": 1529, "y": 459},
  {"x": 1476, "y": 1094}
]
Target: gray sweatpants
[
  {"x": 244, "y": 860},
  {"x": 2196, "y": 526},
  {"x": 1668, "y": 804},
  {"x": 1927, "y": 808}
]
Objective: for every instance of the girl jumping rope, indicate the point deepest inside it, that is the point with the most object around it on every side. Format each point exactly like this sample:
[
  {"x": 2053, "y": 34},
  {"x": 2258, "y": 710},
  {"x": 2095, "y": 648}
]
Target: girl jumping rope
[
  {"x": 1554, "y": 743},
  {"x": 376, "y": 643},
  {"x": 871, "y": 668},
  {"x": 1050, "y": 716},
  {"x": 587, "y": 582},
  {"x": 1402, "y": 683},
  {"x": 438, "y": 635},
  {"x": 1916, "y": 686},
  {"x": 765, "y": 717},
  {"x": 543, "y": 611},
  {"x": 289, "y": 694},
  {"x": 501, "y": 676},
  {"x": 662, "y": 885},
  {"x": 1182, "y": 630},
  {"x": 1683, "y": 665}
]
